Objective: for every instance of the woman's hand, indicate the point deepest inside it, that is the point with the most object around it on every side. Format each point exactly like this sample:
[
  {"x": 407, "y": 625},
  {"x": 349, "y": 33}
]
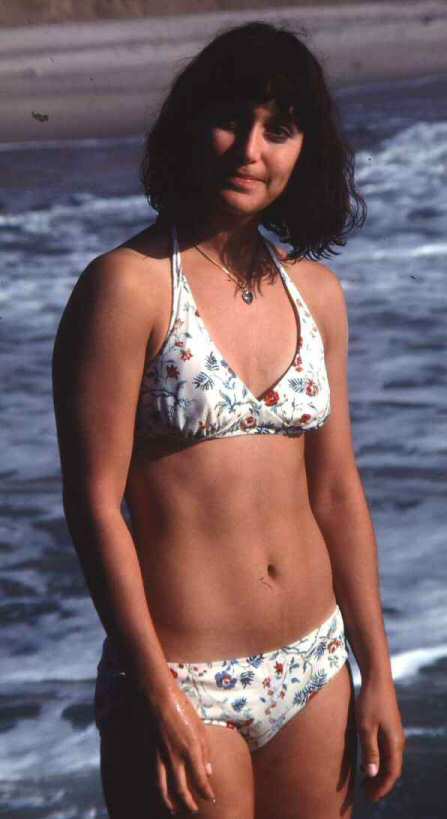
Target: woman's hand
[
  {"x": 381, "y": 735},
  {"x": 182, "y": 756}
]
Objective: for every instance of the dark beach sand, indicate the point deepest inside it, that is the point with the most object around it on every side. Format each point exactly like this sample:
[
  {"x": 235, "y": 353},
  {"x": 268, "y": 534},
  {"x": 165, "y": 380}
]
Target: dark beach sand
[{"x": 105, "y": 78}]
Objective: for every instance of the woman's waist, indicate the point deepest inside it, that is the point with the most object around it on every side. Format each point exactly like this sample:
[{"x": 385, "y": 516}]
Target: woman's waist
[
  {"x": 239, "y": 599},
  {"x": 214, "y": 644},
  {"x": 173, "y": 500}
]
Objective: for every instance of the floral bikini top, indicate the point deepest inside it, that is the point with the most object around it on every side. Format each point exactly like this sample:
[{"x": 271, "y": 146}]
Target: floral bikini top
[{"x": 190, "y": 392}]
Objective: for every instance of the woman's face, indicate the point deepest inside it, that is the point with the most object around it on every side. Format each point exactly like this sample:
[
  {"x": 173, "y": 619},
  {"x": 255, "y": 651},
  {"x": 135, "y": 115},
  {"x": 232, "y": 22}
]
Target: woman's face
[{"x": 252, "y": 153}]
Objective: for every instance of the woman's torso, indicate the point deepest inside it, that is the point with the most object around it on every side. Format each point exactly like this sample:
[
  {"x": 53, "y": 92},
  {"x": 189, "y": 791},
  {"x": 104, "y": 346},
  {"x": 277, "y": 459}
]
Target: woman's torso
[{"x": 232, "y": 558}]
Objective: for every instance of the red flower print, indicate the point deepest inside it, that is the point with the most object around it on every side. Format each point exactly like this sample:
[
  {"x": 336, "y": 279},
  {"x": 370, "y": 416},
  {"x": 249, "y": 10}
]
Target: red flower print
[
  {"x": 173, "y": 672},
  {"x": 333, "y": 645},
  {"x": 311, "y": 388},
  {"x": 271, "y": 397},
  {"x": 282, "y": 694},
  {"x": 185, "y": 354},
  {"x": 266, "y": 682},
  {"x": 279, "y": 668},
  {"x": 178, "y": 323},
  {"x": 172, "y": 371},
  {"x": 179, "y": 343},
  {"x": 270, "y": 692},
  {"x": 231, "y": 725},
  {"x": 248, "y": 422},
  {"x": 298, "y": 363},
  {"x": 304, "y": 418}
]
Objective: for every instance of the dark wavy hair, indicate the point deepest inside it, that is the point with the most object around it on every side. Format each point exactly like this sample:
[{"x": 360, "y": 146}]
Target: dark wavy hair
[{"x": 258, "y": 62}]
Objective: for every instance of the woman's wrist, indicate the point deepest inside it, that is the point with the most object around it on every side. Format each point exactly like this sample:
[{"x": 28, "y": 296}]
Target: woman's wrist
[
  {"x": 158, "y": 689},
  {"x": 380, "y": 673}
]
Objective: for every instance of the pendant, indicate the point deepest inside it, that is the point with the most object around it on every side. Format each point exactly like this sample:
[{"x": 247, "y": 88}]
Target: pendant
[{"x": 247, "y": 295}]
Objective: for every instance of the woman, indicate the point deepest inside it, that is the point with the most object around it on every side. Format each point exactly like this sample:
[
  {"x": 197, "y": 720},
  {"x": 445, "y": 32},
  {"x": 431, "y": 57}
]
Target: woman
[{"x": 200, "y": 373}]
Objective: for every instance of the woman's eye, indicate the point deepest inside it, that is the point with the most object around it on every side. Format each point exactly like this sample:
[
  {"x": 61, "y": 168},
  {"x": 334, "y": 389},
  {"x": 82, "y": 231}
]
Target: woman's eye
[
  {"x": 227, "y": 124},
  {"x": 280, "y": 133}
]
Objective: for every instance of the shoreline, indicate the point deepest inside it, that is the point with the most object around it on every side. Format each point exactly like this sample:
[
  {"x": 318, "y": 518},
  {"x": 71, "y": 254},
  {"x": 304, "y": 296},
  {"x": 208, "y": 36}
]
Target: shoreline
[{"x": 106, "y": 78}]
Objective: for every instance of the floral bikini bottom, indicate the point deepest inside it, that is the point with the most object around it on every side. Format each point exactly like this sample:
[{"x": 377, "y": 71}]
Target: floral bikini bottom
[{"x": 255, "y": 695}]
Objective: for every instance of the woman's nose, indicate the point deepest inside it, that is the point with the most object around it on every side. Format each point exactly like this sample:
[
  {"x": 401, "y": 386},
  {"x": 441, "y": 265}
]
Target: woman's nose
[{"x": 249, "y": 143}]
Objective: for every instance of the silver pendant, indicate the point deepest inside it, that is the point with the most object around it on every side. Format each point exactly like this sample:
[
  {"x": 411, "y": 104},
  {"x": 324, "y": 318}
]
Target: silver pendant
[{"x": 247, "y": 295}]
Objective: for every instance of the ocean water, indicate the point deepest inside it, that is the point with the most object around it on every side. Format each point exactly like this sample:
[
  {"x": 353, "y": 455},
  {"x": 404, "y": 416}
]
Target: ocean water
[{"x": 62, "y": 204}]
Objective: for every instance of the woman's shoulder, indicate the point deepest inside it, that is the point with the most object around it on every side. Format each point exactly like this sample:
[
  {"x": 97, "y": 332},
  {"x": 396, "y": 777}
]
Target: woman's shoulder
[
  {"x": 317, "y": 278},
  {"x": 127, "y": 282},
  {"x": 138, "y": 267},
  {"x": 143, "y": 253},
  {"x": 322, "y": 289}
]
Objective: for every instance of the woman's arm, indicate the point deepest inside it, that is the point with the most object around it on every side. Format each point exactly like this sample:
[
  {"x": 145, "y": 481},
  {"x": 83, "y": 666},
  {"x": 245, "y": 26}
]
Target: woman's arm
[
  {"x": 340, "y": 508},
  {"x": 98, "y": 363}
]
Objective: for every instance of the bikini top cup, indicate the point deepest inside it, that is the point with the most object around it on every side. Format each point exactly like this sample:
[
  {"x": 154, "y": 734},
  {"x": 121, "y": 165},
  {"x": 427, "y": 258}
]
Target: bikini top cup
[{"x": 189, "y": 391}]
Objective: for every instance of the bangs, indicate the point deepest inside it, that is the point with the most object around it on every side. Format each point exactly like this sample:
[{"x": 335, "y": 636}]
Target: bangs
[
  {"x": 258, "y": 90},
  {"x": 256, "y": 72}
]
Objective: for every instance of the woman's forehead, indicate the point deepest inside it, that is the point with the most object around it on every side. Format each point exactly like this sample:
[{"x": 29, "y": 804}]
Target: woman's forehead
[{"x": 247, "y": 105}]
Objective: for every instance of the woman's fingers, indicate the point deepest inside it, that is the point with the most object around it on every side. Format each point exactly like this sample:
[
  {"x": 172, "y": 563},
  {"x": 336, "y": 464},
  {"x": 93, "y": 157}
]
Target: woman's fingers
[
  {"x": 173, "y": 781},
  {"x": 181, "y": 788},
  {"x": 183, "y": 756},
  {"x": 198, "y": 757},
  {"x": 370, "y": 750},
  {"x": 163, "y": 782},
  {"x": 383, "y": 749}
]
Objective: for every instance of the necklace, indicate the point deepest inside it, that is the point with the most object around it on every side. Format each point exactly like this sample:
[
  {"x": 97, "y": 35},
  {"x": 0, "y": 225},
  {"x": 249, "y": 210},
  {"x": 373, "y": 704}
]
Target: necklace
[{"x": 247, "y": 294}]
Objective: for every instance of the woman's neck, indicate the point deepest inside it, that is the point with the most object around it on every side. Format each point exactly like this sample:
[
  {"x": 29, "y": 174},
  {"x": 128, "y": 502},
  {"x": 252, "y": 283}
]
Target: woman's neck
[{"x": 225, "y": 236}]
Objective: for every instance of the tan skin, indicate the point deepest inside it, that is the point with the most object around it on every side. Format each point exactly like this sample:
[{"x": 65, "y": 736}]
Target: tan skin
[{"x": 238, "y": 545}]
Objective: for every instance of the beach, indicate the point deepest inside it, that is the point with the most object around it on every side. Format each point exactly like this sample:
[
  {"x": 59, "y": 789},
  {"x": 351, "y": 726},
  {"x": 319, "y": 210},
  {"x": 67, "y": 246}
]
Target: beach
[{"x": 99, "y": 79}]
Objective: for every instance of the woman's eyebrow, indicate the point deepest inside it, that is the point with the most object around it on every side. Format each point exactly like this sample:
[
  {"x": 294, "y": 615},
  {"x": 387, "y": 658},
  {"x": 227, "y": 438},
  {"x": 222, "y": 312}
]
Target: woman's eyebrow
[{"x": 283, "y": 119}]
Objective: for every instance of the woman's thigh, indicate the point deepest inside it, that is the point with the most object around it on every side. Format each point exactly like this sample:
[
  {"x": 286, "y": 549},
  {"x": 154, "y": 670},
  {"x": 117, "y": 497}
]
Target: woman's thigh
[
  {"x": 307, "y": 770},
  {"x": 129, "y": 779}
]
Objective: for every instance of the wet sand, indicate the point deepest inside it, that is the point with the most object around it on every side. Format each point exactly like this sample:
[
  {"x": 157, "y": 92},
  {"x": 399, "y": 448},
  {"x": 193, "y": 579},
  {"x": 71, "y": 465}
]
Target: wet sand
[{"x": 105, "y": 79}]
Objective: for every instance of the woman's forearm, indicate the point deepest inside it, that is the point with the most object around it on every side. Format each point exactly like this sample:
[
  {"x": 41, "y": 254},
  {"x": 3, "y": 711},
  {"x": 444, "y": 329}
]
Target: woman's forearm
[
  {"x": 345, "y": 521},
  {"x": 110, "y": 565}
]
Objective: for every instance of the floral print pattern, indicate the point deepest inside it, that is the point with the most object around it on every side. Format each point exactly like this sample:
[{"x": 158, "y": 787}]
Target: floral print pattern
[
  {"x": 255, "y": 695},
  {"x": 189, "y": 390}
]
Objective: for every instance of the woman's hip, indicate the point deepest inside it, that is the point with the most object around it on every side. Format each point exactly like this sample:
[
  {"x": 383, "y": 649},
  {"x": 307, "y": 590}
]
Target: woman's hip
[{"x": 254, "y": 694}]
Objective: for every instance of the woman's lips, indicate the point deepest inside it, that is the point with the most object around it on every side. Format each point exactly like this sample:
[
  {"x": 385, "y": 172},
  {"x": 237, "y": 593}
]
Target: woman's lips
[{"x": 245, "y": 181}]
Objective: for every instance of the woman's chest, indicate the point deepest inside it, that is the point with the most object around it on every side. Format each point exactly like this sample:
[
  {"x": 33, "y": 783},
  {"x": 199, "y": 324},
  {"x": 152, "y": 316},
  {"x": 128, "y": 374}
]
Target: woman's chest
[{"x": 258, "y": 341}]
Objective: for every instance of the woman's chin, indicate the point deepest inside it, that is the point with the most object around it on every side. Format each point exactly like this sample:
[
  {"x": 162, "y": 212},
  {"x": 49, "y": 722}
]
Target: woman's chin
[{"x": 241, "y": 203}]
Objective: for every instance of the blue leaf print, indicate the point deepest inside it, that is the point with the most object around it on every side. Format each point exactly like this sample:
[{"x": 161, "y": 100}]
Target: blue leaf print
[
  {"x": 301, "y": 697},
  {"x": 332, "y": 628},
  {"x": 227, "y": 402},
  {"x": 247, "y": 678},
  {"x": 202, "y": 381},
  {"x": 297, "y": 384},
  {"x": 256, "y": 660},
  {"x": 239, "y": 704},
  {"x": 319, "y": 650},
  {"x": 315, "y": 683},
  {"x": 211, "y": 362}
]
